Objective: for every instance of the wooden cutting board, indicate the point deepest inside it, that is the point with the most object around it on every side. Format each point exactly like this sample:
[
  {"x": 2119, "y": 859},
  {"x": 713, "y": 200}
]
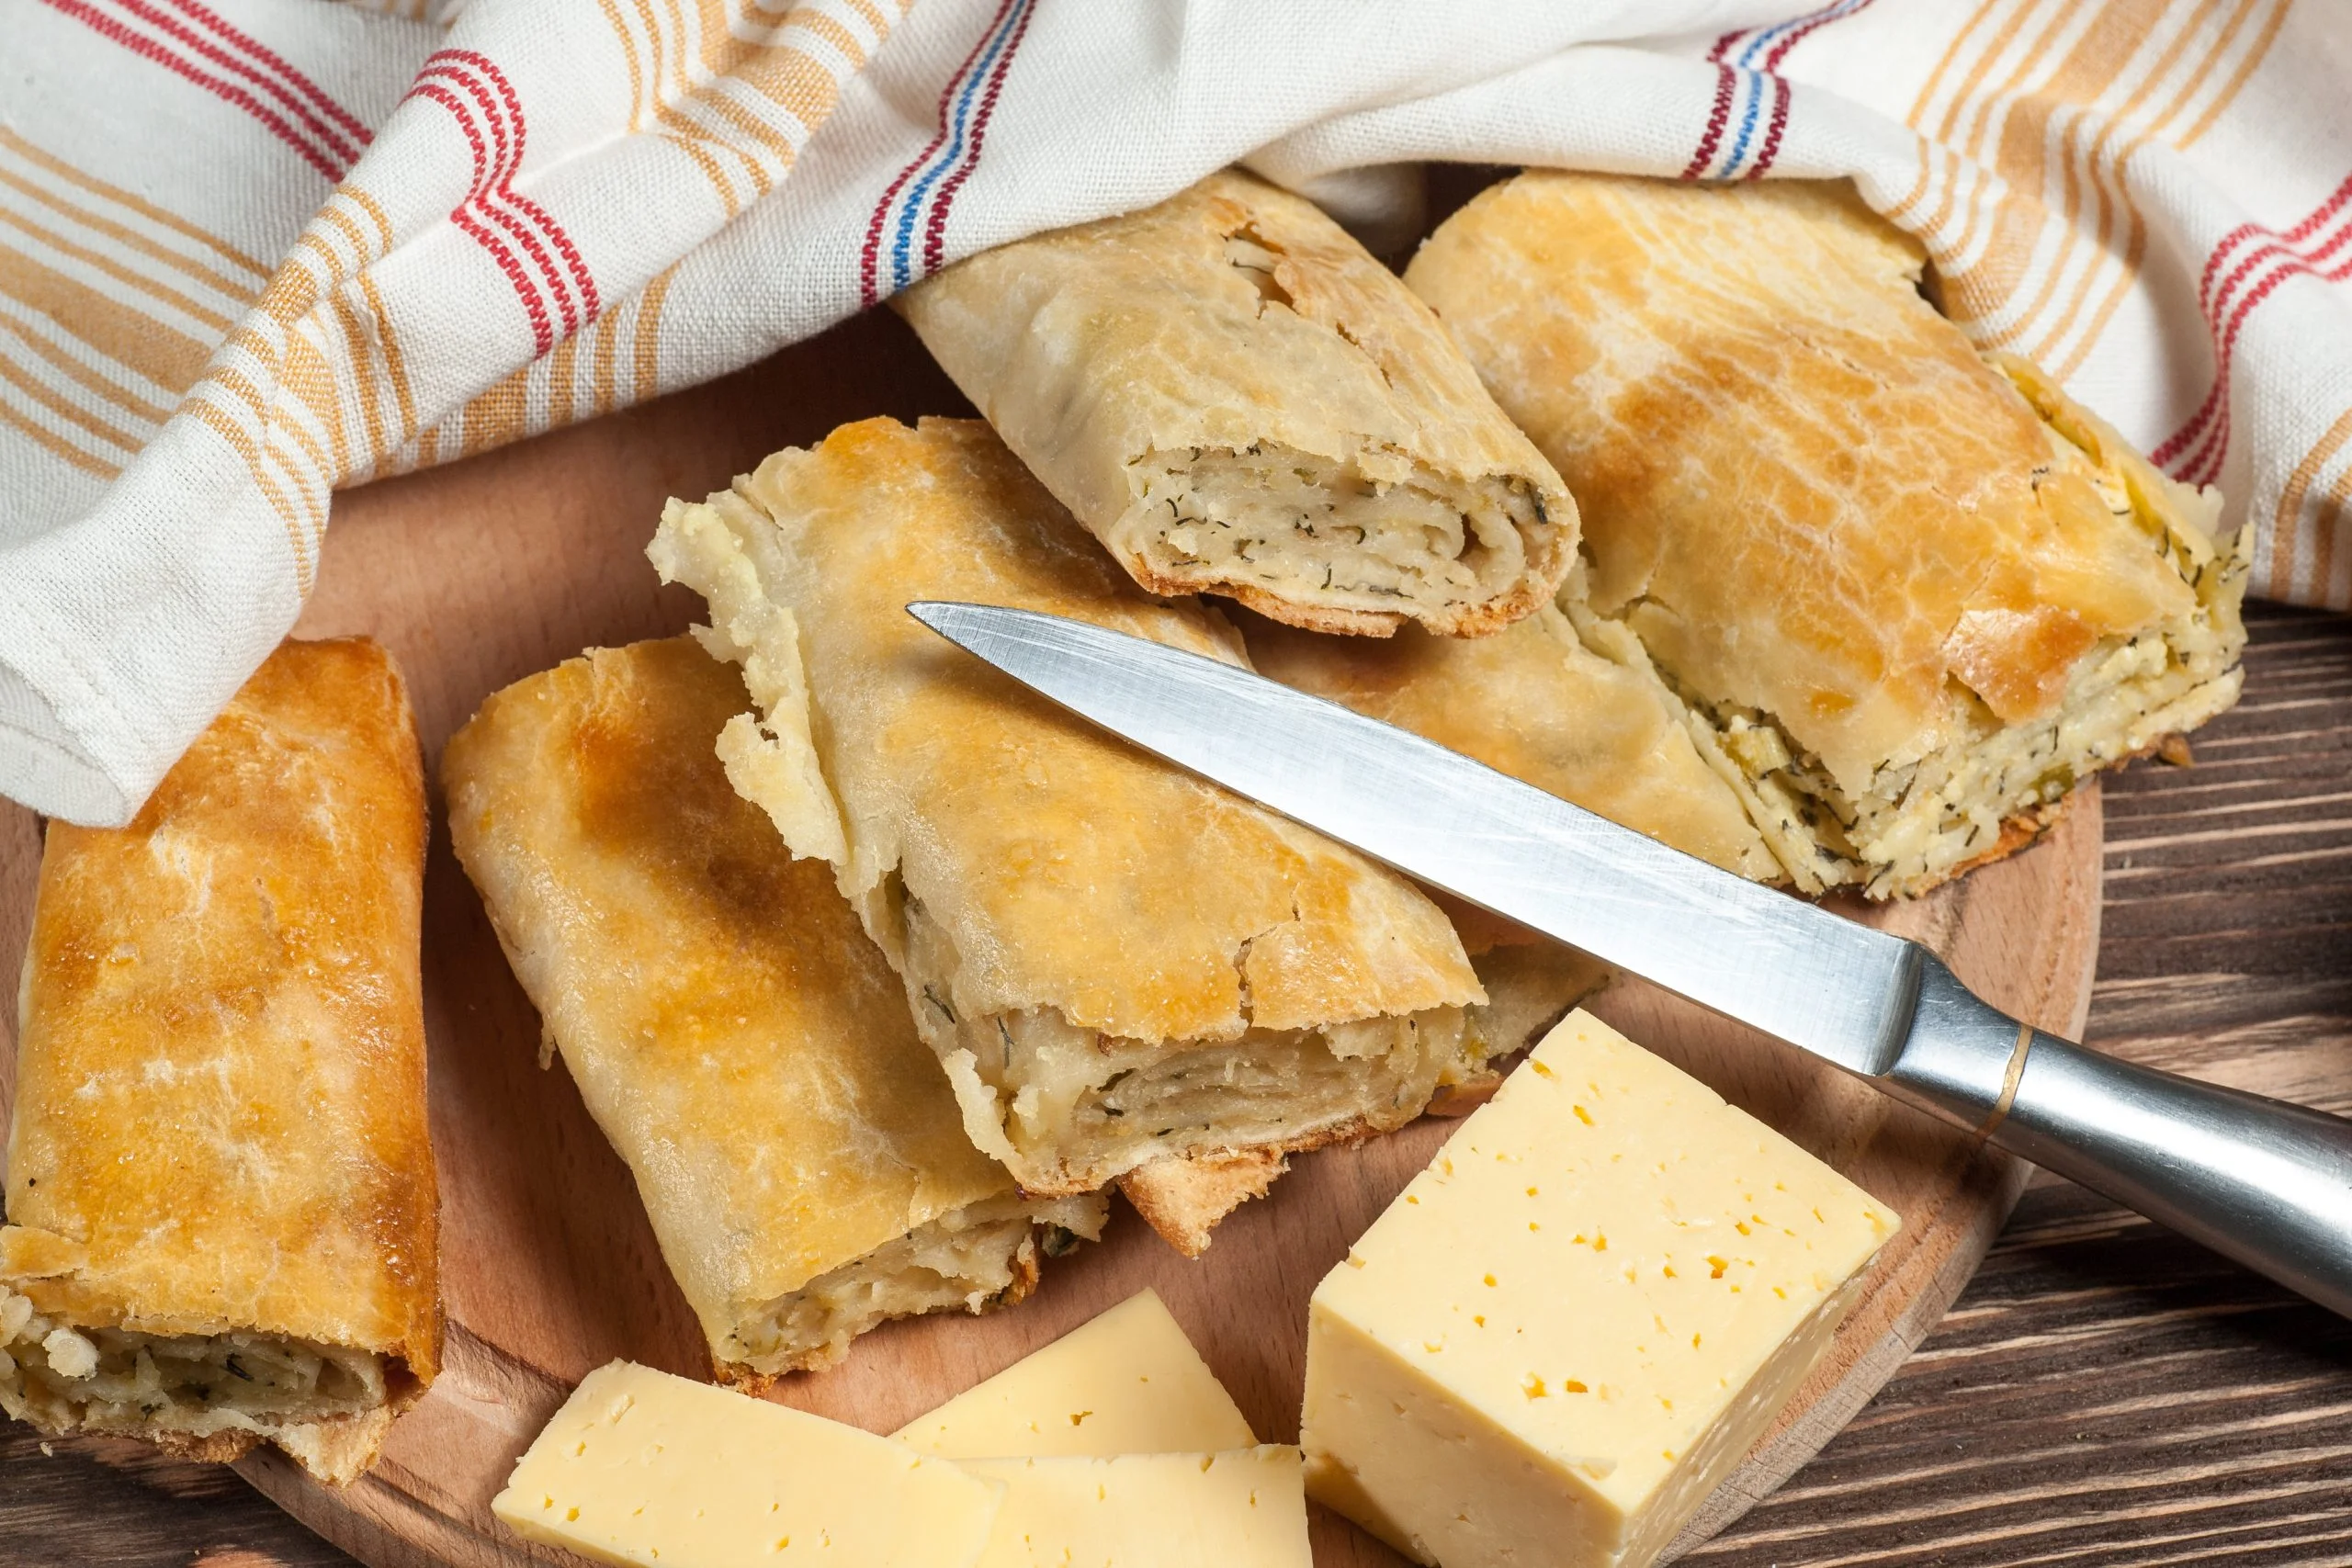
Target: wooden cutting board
[{"x": 486, "y": 571}]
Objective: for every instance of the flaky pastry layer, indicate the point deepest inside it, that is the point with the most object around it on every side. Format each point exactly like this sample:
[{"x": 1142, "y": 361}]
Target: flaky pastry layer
[
  {"x": 1531, "y": 983},
  {"x": 221, "y": 1198},
  {"x": 1995, "y": 783},
  {"x": 1589, "y": 722}
]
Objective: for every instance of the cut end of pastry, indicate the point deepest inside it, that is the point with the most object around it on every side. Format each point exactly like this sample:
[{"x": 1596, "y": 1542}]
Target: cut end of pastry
[
  {"x": 2019, "y": 832},
  {"x": 1995, "y": 786},
  {"x": 1071, "y": 1110},
  {"x": 1908, "y": 593},
  {"x": 2037, "y": 701},
  {"x": 1237, "y": 399},
  {"x": 983, "y": 1256},
  {"x": 209, "y": 1397},
  {"x": 1183, "y": 1199},
  {"x": 1068, "y": 1109},
  {"x": 1531, "y": 984},
  {"x": 1354, "y": 546}
]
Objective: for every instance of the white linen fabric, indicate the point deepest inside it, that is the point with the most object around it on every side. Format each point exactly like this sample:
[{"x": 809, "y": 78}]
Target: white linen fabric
[{"x": 249, "y": 258}]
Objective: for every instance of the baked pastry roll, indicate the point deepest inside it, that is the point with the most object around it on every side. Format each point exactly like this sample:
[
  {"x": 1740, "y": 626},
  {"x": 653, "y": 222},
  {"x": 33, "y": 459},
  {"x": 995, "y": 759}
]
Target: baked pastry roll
[
  {"x": 220, "y": 1193},
  {"x": 1115, "y": 960},
  {"x": 1536, "y": 702},
  {"x": 736, "y": 1035},
  {"x": 1237, "y": 399},
  {"x": 1915, "y": 595}
]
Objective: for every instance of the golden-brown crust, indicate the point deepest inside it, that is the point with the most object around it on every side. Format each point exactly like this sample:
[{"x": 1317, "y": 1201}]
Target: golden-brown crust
[
  {"x": 336, "y": 1450},
  {"x": 213, "y": 1447},
  {"x": 1462, "y": 1099},
  {"x": 1327, "y": 618},
  {"x": 219, "y": 1119},
  {"x": 1093, "y": 349},
  {"x": 761, "y": 1076},
  {"x": 1806, "y": 491},
  {"x": 748, "y": 1379},
  {"x": 1484, "y": 620},
  {"x": 339, "y": 1449},
  {"x": 1066, "y": 910},
  {"x": 1183, "y": 1199},
  {"x": 1481, "y": 931},
  {"x": 1906, "y": 591},
  {"x": 237, "y": 971}
]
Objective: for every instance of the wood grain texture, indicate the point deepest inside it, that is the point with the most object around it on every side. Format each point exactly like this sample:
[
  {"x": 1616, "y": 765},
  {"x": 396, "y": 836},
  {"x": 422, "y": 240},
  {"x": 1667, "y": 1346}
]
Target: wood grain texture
[
  {"x": 501, "y": 593},
  {"x": 2106, "y": 1393}
]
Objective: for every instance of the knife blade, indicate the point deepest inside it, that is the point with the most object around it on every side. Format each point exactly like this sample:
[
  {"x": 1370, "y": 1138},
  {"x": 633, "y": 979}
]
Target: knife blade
[
  {"x": 2260, "y": 1180},
  {"x": 1836, "y": 988}
]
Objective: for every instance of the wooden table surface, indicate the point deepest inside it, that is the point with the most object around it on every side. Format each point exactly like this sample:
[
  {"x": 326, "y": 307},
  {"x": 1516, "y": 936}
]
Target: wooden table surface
[{"x": 2104, "y": 1393}]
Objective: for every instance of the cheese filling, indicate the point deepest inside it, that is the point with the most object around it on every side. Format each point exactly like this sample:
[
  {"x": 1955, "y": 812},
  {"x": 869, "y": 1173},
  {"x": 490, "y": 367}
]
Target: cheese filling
[
  {"x": 980, "y": 1255},
  {"x": 1345, "y": 533},
  {"x": 65, "y": 1377}
]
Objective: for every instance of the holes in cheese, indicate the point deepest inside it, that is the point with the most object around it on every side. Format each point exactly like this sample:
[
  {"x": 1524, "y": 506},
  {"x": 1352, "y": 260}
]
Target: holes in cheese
[{"x": 1441, "y": 1365}]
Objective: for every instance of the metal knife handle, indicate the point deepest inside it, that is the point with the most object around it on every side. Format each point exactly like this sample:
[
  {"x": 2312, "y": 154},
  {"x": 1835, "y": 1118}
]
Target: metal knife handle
[{"x": 2259, "y": 1180}]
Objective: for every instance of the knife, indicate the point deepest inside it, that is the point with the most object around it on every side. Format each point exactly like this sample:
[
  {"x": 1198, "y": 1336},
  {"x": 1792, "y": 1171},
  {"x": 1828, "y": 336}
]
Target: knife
[{"x": 2260, "y": 1180}]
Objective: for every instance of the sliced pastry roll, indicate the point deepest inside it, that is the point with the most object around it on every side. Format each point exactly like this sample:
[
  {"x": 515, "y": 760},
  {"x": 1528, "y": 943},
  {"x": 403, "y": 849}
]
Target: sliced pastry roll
[
  {"x": 1237, "y": 399},
  {"x": 220, "y": 1192},
  {"x": 736, "y": 1035},
  {"x": 1116, "y": 961},
  {"x": 1916, "y": 594}
]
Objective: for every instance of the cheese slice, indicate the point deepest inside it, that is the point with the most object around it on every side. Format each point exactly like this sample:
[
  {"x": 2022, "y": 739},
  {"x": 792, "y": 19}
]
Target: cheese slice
[
  {"x": 1126, "y": 1382},
  {"x": 1576, "y": 1321},
  {"x": 646, "y": 1468},
  {"x": 1241, "y": 1509}
]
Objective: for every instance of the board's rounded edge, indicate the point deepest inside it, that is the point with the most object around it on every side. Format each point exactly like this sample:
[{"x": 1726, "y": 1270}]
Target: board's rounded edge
[{"x": 2069, "y": 879}]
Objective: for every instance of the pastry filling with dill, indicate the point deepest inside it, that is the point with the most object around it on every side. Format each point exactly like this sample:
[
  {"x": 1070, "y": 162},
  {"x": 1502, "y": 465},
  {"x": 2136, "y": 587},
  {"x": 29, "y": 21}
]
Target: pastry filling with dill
[
  {"x": 981, "y": 1256},
  {"x": 66, "y": 1377},
  {"x": 1237, "y": 399},
  {"x": 2009, "y": 752},
  {"x": 1068, "y": 1109},
  {"x": 1374, "y": 533},
  {"x": 1907, "y": 592}
]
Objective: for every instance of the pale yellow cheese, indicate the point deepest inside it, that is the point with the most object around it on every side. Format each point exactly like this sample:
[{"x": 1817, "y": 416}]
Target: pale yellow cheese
[
  {"x": 1241, "y": 1509},
  {"x": 653, "y": 1470},
  {"x": 1126, "y": 1382},
  {"x": 1578, "y": 1318}
]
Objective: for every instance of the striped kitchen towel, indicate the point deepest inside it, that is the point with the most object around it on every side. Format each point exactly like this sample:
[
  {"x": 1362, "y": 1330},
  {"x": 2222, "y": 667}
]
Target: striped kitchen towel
[{"x": 253, "y": 253}]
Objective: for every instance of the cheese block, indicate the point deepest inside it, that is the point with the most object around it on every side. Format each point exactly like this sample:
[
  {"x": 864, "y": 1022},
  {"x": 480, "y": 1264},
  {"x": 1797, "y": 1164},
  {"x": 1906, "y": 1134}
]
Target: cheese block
[
  {"x": 1241, "y": 1509},
  {"x": 646, "y": 1468},
  {"x": 1126, "y": 1382},
  {"x": 1576, "y": 1322}
]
